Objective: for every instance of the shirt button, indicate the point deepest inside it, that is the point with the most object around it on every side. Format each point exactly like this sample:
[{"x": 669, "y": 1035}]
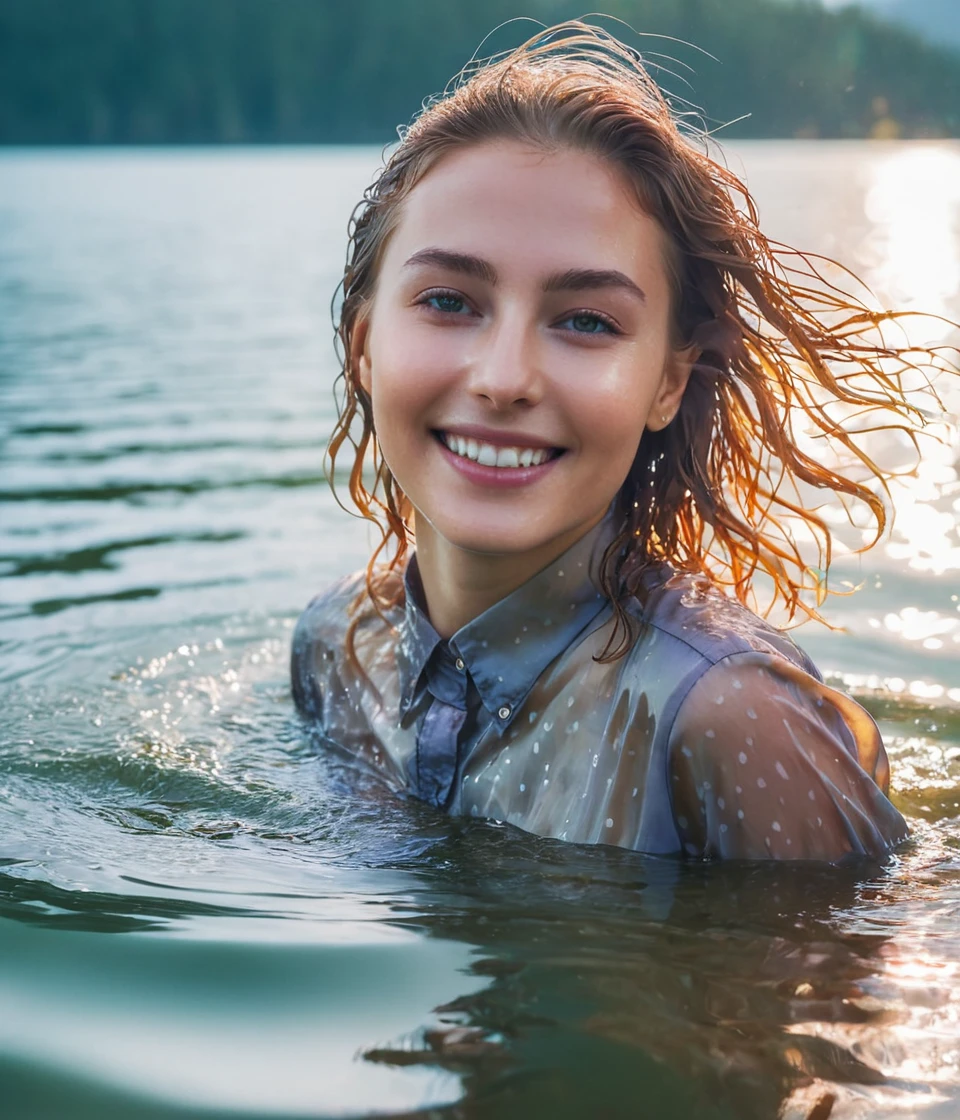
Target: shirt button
[
  {"x": 459, "y": 664},
  {"x": 504, "y": 712}
]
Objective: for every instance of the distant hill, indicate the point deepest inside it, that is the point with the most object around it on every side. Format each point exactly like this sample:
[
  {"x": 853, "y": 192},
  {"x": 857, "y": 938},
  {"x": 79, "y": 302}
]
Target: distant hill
[
  {"x": 938, "y": 21},
  {"x": 322, "y": 71}
]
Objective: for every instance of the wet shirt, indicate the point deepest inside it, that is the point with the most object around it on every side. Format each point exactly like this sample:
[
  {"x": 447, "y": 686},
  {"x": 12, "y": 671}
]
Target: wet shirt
[{"x": 714, "y": 736}]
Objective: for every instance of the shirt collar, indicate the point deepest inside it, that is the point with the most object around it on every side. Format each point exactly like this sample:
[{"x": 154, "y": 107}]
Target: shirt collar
[{"x": 506, "y": 648}]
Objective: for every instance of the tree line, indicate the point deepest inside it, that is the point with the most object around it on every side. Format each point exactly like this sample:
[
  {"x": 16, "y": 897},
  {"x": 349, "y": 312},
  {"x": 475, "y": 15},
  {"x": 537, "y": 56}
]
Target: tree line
[{"x": 326, "y": 71}]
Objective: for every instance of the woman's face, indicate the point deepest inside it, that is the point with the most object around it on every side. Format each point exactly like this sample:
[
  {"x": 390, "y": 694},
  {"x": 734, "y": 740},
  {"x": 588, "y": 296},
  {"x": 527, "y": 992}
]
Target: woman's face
[{"x": 517, "y": 346}]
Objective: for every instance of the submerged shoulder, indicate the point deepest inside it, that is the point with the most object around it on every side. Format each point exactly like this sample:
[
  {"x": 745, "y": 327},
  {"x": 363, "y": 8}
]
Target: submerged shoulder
[
  {"x": 767, "y": 761},
  {"x": 695, "y": 612}
]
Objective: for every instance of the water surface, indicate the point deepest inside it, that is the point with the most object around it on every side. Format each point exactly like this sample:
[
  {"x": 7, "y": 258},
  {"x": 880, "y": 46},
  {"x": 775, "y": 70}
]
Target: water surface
[{"x": 199, "y": 916}]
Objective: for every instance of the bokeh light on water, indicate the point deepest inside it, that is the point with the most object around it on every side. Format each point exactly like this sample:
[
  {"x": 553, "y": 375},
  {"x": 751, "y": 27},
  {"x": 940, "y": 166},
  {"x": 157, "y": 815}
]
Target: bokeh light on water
[{"x": 199, "y": 915}]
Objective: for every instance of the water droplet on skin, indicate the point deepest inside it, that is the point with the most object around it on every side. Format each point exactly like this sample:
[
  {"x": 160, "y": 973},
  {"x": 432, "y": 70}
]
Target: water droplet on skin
[
  {"x": 776, "y": 826},
  {"x": 570, "y": 700},
  {"x": 751, "y": 714},
  {"x": 742, "y": 758},
  {"x": 740, "y": 814},
  {"x": 738, "y": 684},
  {"x": 721, "y": 804},
  {"x": 685, "y": 750},
  {"x": 634, "y": 794},
  {"x": 782, "y": 771},
  {"x": 710, "y": 733},
  {"x": 811, "y": 795},
  {"x": 761, "y": 783},
  {"x": 719, "y": 700}
]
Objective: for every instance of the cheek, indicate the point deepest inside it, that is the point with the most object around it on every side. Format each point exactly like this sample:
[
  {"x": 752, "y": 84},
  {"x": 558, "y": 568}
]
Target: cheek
[{"x": 612, "y": 414}]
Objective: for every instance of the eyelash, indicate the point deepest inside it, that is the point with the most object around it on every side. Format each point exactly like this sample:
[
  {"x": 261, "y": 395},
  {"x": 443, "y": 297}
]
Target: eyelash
[{"x": 447, "y": 293}]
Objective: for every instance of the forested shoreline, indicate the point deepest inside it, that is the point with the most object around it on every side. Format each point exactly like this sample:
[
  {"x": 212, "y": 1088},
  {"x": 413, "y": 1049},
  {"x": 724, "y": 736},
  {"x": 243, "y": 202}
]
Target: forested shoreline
[{"x": 321, "y": 71}]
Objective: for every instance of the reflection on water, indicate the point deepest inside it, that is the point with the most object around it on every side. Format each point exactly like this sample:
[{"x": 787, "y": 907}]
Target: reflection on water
[
  {"x": 913, "y": 203},
  {"x": 199, "y": 913}
]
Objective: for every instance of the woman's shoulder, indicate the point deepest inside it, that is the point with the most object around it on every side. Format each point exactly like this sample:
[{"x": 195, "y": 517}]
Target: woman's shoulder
[
  {"x": 695, "y": 612},
  {"x": 326, "y": 617}
]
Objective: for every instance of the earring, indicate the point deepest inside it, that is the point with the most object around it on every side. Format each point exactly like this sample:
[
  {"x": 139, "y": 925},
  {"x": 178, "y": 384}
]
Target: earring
[{"x": 665, "y": 419}]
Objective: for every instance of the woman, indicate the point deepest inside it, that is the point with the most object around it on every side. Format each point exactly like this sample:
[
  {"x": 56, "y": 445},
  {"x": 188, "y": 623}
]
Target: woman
[{"x": 571, "y": 357}]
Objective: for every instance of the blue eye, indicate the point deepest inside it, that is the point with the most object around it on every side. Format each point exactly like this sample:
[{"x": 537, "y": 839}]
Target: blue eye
[
  {"x": 587, "y": 323},
  {"x": 446, "y": 302}
]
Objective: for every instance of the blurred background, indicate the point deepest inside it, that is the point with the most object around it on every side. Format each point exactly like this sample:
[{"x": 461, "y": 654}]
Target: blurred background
[
  {"x": 318, "y": 71},
  {"x": 204, "y": 917}
]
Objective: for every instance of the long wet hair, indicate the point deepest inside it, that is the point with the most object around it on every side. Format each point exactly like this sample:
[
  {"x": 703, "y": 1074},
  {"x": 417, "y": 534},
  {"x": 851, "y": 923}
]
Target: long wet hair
[{"x": 720, "y": 490}]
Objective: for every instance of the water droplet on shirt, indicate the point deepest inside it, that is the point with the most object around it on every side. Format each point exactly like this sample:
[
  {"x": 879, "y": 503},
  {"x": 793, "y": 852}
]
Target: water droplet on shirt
[
  {"x": 523, "y": 788},
  {"x": 536, "y": 748},
  {"x": 609, "y": 822}
]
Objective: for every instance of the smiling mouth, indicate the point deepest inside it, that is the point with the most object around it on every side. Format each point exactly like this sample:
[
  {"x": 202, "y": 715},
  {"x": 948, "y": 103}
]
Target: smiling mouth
[{"x": 490, "y": 455}]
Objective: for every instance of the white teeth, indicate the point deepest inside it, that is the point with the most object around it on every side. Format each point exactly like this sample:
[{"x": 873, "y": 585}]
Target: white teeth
[{"x": 490, "y": 456}]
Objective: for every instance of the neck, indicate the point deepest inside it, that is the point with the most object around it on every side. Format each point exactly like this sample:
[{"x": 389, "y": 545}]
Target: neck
[{"x": 459, "y": 585}]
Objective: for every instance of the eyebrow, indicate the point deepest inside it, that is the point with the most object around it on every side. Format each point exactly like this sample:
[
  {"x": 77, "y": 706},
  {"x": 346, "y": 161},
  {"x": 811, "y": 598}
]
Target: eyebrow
[{"x": 574, "y": 279}]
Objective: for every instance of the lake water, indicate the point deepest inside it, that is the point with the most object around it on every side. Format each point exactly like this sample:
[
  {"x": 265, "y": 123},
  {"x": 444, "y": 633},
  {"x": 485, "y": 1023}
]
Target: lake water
[{"x": 199, "y": 916}]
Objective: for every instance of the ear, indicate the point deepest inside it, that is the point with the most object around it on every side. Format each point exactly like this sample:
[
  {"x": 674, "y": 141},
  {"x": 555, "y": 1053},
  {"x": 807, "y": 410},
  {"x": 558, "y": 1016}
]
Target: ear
[
  {"x": 360, "y": 351},
  {"x": 673, "y": 383}
]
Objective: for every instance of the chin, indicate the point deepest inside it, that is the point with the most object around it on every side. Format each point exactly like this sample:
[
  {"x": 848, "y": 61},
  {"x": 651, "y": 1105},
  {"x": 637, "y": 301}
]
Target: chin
[{"x": 497, "y": 538}]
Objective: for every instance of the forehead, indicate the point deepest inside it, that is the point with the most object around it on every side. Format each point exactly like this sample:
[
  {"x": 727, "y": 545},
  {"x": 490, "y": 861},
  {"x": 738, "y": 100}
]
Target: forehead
[{"x": 536, "y": 209}]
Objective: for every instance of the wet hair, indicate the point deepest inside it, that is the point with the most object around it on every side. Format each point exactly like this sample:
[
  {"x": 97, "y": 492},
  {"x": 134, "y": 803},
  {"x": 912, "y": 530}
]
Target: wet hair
[{"x": 723, "y": 489}]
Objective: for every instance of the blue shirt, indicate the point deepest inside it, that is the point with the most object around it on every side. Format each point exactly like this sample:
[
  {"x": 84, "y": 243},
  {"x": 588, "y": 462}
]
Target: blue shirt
[{"x": 713, "y": 736}]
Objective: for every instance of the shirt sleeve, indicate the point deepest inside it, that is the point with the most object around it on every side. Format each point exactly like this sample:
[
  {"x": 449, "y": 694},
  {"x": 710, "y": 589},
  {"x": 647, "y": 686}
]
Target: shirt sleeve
[{"x": 766, "y": 762}]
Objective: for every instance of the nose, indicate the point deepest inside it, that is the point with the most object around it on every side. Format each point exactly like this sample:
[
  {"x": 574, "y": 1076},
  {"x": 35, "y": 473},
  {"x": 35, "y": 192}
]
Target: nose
[{"x": 505, "y": 370}]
